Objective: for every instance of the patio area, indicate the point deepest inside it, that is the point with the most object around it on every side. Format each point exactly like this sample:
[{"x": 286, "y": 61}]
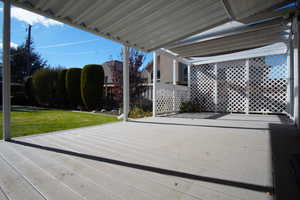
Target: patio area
[{"x": 150, "y": 158}]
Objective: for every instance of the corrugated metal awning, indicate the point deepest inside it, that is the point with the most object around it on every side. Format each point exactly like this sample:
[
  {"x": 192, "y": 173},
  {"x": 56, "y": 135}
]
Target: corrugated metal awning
[
  {"x": 147, "y": 25},
  {"x": 249, "y": 37}
]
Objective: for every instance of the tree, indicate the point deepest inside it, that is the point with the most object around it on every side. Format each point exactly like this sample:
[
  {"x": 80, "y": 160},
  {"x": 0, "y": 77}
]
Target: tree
[
  {"x": 73, "y": 76},
  {"x": 19, "y": 62},
  {"x": 92, "y": 80},
  {"x": 136, "y": 59}
]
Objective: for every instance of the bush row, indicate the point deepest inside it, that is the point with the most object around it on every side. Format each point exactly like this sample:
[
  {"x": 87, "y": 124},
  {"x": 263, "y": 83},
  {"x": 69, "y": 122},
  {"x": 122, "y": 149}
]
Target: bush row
[{"x": 67, "y": 88}]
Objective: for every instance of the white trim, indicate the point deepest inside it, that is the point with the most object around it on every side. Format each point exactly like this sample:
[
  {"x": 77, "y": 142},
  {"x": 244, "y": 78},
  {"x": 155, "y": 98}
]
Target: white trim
[
  {"x": 6, "y": 70},
  {"x": 296, "y": 71},
  {"x": 155, "y": 60},
  {"x": 125, "y": 83},
  {"x": 174, "y": 81},
  {"x": 237, "y": 56},
  {"x": 216, "y": 87},
  {"x": 247, "y": 86},
  {"x": 189, "y": 75},
  {"x": 173, "y": 56}
]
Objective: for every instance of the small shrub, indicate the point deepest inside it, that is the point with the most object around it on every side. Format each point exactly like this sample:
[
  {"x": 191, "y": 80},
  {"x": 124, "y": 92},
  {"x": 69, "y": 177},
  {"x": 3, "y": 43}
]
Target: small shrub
[
  {"x": 73, "y": 86},
  {"x": 44, "y": 84},
  {"x": 137, "y": 112},
  {"x": 189, "y": 107},
  {"x": 92, "y": 80},
  {"x": 62, "y": 99}
]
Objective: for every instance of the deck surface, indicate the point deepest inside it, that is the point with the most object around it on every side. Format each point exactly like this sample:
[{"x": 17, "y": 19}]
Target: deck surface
[{"x": 152, "y": 158}]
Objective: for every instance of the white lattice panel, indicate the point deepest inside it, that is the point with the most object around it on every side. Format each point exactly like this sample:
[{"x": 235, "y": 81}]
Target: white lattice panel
[
  {"x": 231, "y": 93},
  {"x": 203, "y": 86},
  {"x": 259, "y": 87},
  {"x": 268, "y": 84},
  {"x": 170, "y": 97}
]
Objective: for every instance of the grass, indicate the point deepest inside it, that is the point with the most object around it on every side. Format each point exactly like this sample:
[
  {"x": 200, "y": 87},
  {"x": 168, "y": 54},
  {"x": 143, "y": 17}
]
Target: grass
[{"x": 30, "y": 120}]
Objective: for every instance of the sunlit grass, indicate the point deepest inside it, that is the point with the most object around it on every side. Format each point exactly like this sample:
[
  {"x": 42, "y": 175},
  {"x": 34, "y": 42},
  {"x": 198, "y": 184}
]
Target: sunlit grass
[{"x": 29, "y": 120}]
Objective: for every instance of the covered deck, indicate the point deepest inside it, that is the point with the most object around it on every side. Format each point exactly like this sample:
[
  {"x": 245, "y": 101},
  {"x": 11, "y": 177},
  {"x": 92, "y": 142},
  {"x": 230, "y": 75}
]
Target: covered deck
[{"x": 151, "y": 158}]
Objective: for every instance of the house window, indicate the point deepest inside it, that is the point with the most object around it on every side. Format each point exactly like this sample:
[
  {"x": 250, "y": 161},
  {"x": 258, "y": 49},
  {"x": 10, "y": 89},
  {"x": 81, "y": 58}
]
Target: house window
[
  {"x": 183, "y": 72},
  {"x": 158, "y": 76}
]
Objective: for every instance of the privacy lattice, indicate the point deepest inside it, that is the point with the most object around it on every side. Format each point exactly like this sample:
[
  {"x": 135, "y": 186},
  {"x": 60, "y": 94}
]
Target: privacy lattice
[
  {"x": 257, "y": 85},
  {"x": 170, "y": 97}
]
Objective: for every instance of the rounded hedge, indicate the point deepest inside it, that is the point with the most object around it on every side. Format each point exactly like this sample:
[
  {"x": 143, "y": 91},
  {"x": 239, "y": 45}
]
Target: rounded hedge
[
  {"x": 73, "y": 86},
  {"x": 92, "y": 80},
  {"x": 44, "y": 84},
  {"x": 29, "y": 91},
  {"x": 62, "y": 99}
]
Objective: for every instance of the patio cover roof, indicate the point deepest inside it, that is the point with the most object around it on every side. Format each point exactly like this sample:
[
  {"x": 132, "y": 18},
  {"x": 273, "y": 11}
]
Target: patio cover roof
[
  {"x": 152, "y": 24},
  {"x": 244, "y": 38}
]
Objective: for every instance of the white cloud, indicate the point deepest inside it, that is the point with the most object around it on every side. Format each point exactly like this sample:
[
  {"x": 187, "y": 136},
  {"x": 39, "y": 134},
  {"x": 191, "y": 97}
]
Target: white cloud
[
  {"x": 12, "y": 45},
  {"x": 31, "y": 18}
]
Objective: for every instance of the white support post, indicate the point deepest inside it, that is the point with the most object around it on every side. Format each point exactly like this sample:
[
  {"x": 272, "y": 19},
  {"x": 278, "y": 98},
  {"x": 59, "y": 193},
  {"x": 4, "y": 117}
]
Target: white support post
[
  {"x": 216, "y": 87},
  {"x": 296, "y": 70},
  {"x": 290, "y": 81},
  {"x": 174, "y": 71},
  {"x": 6, "y": 70},
  {"x": 155, "y": 62},
  {"x": 125, "y": 83},
  {"x": 189, "y": 75},
  {"x": 189, "y": 80},
  {"x": 174, "y": 81},
  {"x": 247, "y": 86}
]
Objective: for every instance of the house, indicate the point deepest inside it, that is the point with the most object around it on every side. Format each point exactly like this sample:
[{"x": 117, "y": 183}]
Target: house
[
  {"x": 165, "y": 69},
  {"x": 113, "y": 70},
  {"x": 112, "y": 66}
]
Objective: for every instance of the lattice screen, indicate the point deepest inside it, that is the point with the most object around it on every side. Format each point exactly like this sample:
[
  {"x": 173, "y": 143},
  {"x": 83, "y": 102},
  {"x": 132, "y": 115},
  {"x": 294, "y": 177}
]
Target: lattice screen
[
  {"x": 203, "y": 86},
  {"x": 257, "y": 85},
  {"x": 170, "y": 97}
]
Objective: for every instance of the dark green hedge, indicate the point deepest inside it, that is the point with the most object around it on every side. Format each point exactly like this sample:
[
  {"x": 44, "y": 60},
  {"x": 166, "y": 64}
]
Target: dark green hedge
[
  {"x": 92, "y": 80},
  {"x": 62, "y": 99},
  {"x": 44, "y": 84},
  {"x": 29, "y": 91},
  {"x": 73, "y": 86}
]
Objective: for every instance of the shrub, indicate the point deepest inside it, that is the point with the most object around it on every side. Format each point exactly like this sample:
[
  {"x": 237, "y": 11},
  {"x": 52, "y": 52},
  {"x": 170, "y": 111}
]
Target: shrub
[
  {"x": 44, "y": 84},
  {"x": 62, "y": 99},
  {"x": 138, "y": 112},
  {"x": 92, "y": 80},
  {"x": 29, "y": 91},
  {"x": 73, "y": 86},
  {"x": 189, "y": 107},
  {"x": 18, "y": 96}
]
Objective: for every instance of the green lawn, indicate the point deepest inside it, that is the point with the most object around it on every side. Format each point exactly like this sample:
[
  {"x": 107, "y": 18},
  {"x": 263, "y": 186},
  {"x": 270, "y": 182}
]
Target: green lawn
[{"x": 29, "y": 120}]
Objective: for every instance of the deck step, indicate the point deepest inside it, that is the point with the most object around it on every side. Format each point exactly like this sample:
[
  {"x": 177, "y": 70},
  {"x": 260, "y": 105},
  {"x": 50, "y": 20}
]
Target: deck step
[
  {"x": 14, "y": 186},
  {"x": 92, "y": 178},
  {"x": 48, "y": 185},
  {"x": 162, "y": 186}
]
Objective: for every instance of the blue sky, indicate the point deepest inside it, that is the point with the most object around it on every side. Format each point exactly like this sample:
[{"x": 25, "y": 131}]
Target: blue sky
[{"x": 61, "y": 44}]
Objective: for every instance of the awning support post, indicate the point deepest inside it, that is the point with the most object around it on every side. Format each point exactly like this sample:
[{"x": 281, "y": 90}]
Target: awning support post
[
  {"x": 189, "y": 79},
  {"x": 155, "y": 60},
  {"x": 6, "y": 71},
  {"x": 174, "y": 81},
  {"x": 125, "y": 83}
]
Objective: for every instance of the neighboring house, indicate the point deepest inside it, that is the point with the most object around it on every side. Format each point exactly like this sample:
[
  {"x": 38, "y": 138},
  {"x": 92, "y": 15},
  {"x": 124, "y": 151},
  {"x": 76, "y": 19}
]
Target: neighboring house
[
  {"x": 116, "y": 65},
  {"x": 165, "y": 71},
  {"x": 109, "y": 67},
  {"x": 112, "y": 66}
]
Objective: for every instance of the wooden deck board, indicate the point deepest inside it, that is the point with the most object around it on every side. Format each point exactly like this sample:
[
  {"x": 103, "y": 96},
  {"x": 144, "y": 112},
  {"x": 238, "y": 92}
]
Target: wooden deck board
[
  {"x": 117, "y": 161},
  {"x": 48, "y": 185},
  {"x": 14, "y": 185}
]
